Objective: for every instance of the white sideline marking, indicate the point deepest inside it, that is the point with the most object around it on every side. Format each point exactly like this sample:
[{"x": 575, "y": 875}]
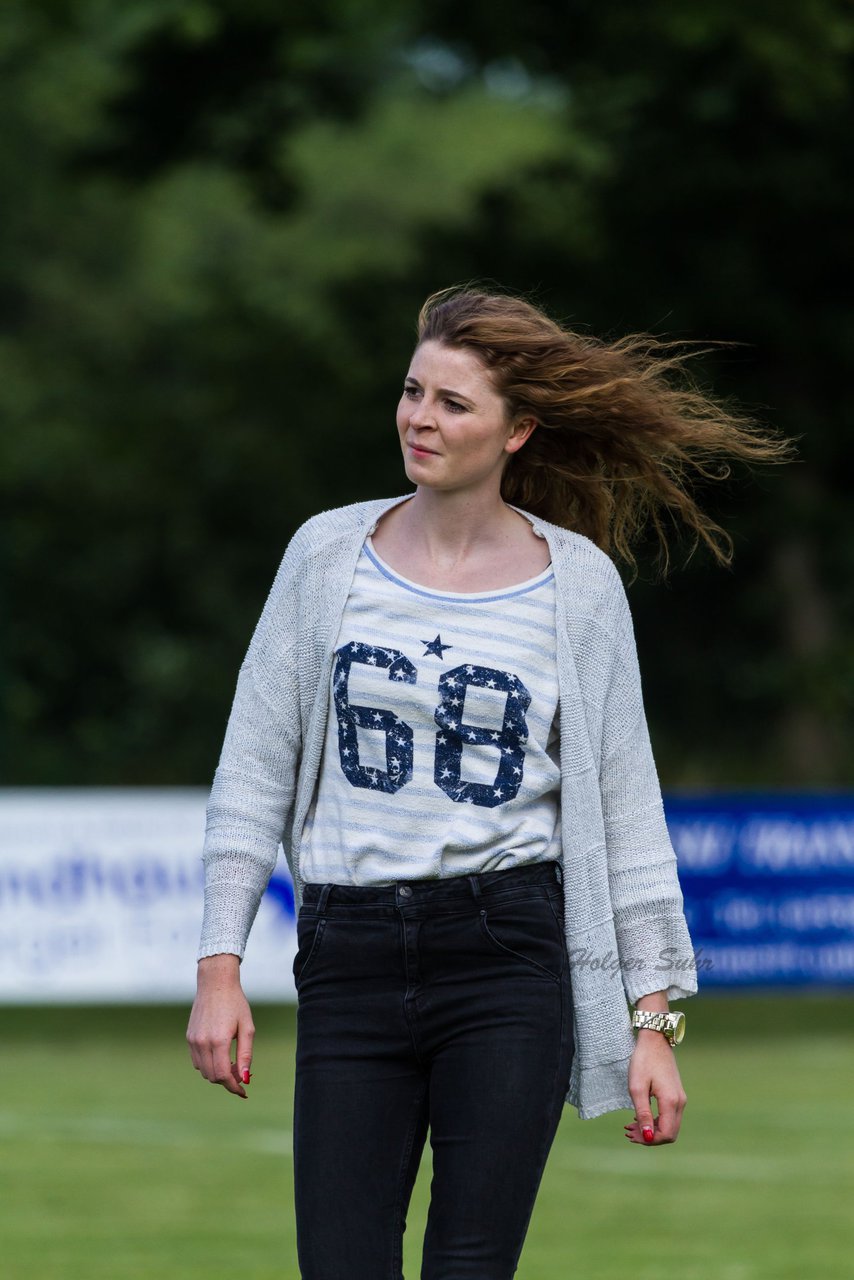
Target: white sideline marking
[
  {"x": 121, "y": 1130},
  {"x": 720, "y": 1168},
  {"x": 127, "y": 1131}
]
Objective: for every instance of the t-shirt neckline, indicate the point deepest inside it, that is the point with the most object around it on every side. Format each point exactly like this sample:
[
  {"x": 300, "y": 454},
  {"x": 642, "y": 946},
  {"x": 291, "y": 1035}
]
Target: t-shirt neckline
[{"x": 497, "y": 593}]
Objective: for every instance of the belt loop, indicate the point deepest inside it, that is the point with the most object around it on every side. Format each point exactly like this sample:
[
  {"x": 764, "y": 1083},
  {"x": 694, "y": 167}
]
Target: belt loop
[
  {"x": 321, "y": 901},
  {"x": 475, "y": 887},
  {"x": 558, "y": 873}
]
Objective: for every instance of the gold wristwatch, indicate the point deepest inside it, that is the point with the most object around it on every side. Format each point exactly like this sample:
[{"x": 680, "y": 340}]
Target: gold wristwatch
[{"x": 671, "y": 1025}]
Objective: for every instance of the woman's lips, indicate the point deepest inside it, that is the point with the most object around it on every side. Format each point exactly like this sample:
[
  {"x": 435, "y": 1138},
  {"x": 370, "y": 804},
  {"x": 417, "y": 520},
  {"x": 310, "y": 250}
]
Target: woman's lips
[{"x": 423, "y": 453}]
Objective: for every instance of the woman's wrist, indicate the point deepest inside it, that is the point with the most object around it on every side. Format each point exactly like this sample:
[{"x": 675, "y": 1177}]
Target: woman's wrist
[
  {"x": 222, "y": 967},
  {"x": 653, "y": 1002},
  {"x": 647, "y": 1036}
]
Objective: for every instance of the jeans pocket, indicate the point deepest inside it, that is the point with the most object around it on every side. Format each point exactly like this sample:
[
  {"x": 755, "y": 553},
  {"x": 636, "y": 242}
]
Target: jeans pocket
[
  {"x": 310, "y": 931},
  {"x": 528, "y": 930},
  {"x": 556, "y": 899}
]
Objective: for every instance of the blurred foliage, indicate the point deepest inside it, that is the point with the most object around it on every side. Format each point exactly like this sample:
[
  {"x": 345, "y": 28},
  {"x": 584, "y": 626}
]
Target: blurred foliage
[{"x": 218, "y": 223}]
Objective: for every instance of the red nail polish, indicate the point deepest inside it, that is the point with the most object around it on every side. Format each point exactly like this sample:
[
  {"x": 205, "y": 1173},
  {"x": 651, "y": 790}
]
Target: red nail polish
[
  {"x": 648, "y": 1135},
  {"x": 246, "y": 1076}
]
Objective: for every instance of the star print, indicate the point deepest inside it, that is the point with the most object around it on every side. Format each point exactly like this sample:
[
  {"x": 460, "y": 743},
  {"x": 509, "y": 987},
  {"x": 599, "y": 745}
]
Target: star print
[{"x": 435, "y": 647}]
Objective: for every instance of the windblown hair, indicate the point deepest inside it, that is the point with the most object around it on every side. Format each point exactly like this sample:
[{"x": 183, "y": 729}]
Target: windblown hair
[{"x": 617, "y": 438}]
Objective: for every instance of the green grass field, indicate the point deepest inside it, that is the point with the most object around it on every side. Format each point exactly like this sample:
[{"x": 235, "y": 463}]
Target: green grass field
[{"x": 119, "y": 1161}]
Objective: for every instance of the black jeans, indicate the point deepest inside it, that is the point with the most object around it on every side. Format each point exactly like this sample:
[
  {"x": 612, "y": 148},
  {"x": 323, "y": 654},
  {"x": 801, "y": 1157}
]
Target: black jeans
[{"x": 440, "y": 1003}]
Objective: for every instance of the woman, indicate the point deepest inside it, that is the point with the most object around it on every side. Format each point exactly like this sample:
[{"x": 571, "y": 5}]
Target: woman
[{"x": 440, "y": 716}]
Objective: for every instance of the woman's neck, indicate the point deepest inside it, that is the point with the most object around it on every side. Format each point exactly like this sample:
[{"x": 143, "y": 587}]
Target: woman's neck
[{"x": 451, "y": 526}]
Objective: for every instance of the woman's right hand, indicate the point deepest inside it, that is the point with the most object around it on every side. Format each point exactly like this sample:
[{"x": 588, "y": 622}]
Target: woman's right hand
[{"x": 221, "y": 1015}]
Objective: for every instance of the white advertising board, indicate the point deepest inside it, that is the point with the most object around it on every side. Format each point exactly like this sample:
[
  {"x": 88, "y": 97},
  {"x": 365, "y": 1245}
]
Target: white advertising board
[{"x": 101, "y": 899}]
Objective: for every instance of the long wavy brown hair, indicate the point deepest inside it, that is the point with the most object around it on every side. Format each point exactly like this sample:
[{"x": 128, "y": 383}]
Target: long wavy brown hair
[{"x": 621, "y": 425}]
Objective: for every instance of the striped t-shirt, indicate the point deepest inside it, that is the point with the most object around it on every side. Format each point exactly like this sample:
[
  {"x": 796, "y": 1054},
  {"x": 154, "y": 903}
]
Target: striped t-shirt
[{"x": 441, "y": 755}]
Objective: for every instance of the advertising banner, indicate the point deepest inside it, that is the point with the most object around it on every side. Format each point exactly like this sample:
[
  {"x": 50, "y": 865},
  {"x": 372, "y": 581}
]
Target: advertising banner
[
  {"x": 101, "y": 894},
  {"x": 768, "y": 882},
  {"x": 101, "y": 898}
]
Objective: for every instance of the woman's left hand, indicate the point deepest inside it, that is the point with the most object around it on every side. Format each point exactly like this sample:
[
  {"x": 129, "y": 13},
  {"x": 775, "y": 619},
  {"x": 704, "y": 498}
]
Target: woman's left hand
[{"x": 653, "y": 1073}]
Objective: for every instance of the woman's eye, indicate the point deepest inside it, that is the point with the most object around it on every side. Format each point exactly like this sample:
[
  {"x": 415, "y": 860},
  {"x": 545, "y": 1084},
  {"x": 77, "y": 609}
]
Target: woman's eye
[{"x": 454, "y": 405}]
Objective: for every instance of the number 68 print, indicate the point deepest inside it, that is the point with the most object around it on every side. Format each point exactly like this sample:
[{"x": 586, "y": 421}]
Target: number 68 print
[{"x": 452, "y": 734}]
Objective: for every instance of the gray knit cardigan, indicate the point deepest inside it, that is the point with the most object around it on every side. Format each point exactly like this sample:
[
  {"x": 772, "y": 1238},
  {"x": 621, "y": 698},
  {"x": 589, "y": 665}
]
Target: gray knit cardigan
[{"x": 625, "y": 926}]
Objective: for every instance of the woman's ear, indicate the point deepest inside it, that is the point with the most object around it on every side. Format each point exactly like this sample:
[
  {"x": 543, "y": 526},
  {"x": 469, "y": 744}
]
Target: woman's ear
[{"x": 522, "y": 430}]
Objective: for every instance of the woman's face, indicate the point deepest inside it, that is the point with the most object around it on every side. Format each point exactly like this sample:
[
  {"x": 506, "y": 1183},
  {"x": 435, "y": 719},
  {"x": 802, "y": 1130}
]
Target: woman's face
[{"x": 452, "y": 423}]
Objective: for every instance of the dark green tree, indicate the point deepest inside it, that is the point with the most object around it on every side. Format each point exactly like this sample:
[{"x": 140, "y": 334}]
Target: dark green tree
[{"x": 219, "y": 220}]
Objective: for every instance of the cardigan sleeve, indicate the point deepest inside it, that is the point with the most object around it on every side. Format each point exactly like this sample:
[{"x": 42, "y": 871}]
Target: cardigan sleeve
[
  {"x": 654, "y": 945},
  {"x": 251, "y": 799}
]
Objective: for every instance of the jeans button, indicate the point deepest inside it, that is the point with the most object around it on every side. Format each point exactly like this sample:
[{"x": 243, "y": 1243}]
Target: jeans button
[{"x": 405, "y": 891}]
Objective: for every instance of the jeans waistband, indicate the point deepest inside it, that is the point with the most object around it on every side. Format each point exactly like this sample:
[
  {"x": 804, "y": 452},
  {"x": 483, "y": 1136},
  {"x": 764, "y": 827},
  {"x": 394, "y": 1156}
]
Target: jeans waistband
[{"x": 412, "y": 892}]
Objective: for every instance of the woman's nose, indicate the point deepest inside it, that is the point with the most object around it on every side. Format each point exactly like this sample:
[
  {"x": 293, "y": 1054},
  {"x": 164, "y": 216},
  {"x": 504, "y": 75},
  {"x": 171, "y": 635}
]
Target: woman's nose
[{"x": 421, "y": 414}]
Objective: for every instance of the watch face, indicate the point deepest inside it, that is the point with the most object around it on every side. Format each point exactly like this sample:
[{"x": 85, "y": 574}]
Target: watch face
[{"x": 678, "y": 1027}]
